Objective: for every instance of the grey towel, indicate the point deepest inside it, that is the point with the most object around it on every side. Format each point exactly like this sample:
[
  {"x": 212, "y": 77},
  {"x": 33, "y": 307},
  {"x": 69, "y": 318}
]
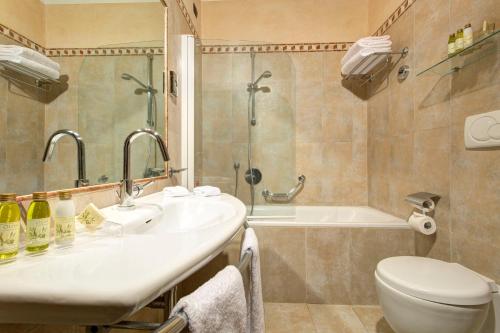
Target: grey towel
[
  {"x": 255, "y": 305},
  {"x": 218, "y": 306}
]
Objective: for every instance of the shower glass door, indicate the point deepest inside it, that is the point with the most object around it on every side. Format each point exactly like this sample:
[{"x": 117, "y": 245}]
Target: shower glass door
[{"x": 245, "y": 123}]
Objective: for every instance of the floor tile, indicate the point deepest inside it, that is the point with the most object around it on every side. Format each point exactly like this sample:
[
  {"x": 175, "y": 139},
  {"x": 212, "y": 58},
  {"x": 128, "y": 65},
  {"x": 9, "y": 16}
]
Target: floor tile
[
  {"x": 372, "y": 318},
  {"x": 335, "y": 319},
  {"x": 288, "y": 317}
]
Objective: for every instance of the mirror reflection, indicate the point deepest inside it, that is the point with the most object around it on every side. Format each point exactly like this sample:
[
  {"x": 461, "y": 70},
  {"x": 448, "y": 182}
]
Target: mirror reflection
[{"x": 66, "y": 127}]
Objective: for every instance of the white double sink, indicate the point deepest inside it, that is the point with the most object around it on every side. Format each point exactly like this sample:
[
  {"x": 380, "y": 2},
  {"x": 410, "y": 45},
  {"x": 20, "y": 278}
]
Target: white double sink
[{"x": 103, "y": 279}]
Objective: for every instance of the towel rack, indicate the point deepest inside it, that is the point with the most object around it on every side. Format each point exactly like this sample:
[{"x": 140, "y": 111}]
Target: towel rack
[
  {"x": 38, "y": 80},
  {"x": 175, "y": 324},
  {"x": 365, "y": 78}
]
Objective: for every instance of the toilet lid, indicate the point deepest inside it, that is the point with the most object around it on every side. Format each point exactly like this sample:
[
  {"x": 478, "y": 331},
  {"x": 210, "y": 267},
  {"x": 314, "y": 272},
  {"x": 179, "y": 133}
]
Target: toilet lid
[{"x": 434, "y": 280}]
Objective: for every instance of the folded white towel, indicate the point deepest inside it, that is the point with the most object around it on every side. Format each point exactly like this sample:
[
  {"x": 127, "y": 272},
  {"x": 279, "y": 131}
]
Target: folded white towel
[
  {"x": 366, "y": 43},
  {"x": 368, "y": 65},
  {"x": 32, "y": 65},
  {"x": 176, "y": 191},
  {"x": 218, "y": 306},
  {"x": 255, "y": 305},
  {"x": 207, "y": 191},
  {"x": 29, "y": 54}
]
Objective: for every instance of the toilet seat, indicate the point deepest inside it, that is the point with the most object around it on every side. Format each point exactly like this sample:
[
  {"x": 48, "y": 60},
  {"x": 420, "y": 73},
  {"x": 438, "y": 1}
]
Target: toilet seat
[{"x": 434, "y": 280}]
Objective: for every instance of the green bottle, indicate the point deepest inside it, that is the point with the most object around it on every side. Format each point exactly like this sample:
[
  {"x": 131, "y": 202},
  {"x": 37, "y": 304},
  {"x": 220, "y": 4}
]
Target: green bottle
[
  {"x": 38, "y": 224},
  {"x": 10, "y": 218}
]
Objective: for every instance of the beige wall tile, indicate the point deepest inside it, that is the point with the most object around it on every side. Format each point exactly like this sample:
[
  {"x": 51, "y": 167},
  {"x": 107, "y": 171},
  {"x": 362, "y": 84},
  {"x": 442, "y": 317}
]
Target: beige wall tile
[
  {"x": 368, "y": 247},
  {"x": 283, "y": 263}
]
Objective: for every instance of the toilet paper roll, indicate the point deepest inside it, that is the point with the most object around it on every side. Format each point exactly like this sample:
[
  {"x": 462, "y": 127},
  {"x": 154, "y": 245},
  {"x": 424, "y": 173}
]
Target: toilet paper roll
[{"x": 422, "y": 223}]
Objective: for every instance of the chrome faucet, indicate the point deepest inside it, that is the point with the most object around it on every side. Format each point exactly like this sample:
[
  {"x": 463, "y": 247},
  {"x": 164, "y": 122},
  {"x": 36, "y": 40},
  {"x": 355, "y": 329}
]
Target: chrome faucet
[
  {"x": 80, "y": 146},
  {"x": 127, "y": 184}
]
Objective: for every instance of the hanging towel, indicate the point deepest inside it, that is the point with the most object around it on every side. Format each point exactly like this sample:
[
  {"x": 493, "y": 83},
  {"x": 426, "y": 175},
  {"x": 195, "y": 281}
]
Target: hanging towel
[
  {"x": 176, "y": 191},
  {"x": 218, "y": 306},
  {"x": 366, "y": 43},
  {"x": 255, "y": 305},
  {"x": 207, "y": 191},
  {"x": 368, "y": 65},
  {"x": 32, "y": 65},
  {"x": 14, "y": 50}
]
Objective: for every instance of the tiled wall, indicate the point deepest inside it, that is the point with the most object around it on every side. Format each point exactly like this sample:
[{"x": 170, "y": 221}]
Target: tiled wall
[
  {"x": 416, "y": 136},
  {"x": 308, "y": 124},
  {"x": 326, "y": 265}
]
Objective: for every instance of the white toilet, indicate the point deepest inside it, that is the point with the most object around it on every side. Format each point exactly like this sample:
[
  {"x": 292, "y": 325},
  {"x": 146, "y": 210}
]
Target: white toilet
[{"x": 423, "y": 295}]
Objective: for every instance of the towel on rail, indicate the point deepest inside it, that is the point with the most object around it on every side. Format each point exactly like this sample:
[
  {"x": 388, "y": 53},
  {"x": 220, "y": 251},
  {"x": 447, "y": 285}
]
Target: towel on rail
[
  {"x": 32, "y": 65},
  {"x": 15, "y": 50},
  {"x": 367, "y": 65},
  {"x": 218, "y": 306},
  {"x": 375, "y": 42},
  {"x": 255, "y": 305}
]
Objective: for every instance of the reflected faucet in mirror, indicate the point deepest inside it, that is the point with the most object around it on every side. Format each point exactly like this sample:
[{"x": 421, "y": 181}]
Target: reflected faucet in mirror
[
  {"x": 80, "y": 146},
  {"x": 127, "y": 184}
]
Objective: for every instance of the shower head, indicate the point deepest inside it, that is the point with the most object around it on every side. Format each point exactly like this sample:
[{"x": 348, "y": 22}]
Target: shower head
[
  {"x": 265, "y": 75},
  {"x": 127, "y": 76}
]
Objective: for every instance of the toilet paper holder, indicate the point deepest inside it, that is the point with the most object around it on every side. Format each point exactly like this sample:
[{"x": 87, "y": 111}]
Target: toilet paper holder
[{"x": 424, "y": 201}]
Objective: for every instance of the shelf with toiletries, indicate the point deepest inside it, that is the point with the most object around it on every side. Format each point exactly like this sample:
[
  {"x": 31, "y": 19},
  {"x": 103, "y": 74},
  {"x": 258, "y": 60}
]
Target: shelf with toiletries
[{"x": 483, "y": 46}]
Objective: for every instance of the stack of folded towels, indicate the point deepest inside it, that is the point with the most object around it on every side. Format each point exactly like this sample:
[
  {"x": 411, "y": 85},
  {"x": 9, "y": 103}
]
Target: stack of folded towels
[
  {"x": 31, "y": 59},
  {"x": 363, "y": 48}
]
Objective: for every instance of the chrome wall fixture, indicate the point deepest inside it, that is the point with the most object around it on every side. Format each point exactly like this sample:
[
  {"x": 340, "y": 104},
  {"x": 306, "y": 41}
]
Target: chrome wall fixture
[{"x": 284, "y": 197}]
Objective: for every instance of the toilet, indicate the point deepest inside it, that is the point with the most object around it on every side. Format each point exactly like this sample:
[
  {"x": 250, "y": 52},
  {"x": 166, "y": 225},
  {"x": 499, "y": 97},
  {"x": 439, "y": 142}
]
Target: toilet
[{"x": 424, "y": 295}]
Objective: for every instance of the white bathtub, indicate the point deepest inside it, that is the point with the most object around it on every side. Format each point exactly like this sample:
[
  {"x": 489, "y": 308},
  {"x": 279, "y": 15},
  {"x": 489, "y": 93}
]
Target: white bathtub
[{"x": 324, "y": 216}]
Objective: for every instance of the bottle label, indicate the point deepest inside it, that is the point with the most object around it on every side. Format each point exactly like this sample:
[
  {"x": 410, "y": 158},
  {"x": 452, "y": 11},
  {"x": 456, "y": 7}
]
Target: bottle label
[
  {"x": 65, "y": 228},
  {"x": 9, "y": 237},
  {"x": 451, "y": 48},
  {"x": 38, "y": 232}
]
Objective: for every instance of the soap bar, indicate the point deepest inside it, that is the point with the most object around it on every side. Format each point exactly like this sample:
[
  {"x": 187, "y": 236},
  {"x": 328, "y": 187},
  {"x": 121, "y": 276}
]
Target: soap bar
[{"x": 91, "y": 217}]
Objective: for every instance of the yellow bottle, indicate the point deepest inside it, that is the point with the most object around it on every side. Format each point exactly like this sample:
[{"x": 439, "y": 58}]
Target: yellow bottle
[
  {"x": 38, "y": 224},
  {"x": 10, "y": 218}
]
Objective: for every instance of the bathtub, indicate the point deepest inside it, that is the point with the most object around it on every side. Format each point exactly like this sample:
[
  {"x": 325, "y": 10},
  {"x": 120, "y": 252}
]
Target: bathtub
[{"x": 323, "y": 216}]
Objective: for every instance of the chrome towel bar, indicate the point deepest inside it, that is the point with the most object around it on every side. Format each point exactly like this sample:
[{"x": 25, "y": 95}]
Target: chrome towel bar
[{"x": 175, "y": 324}]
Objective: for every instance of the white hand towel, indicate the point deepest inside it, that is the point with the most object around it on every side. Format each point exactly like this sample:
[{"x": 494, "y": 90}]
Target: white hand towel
[
  {"x": 207, "y": 191},
  {"x": 366, "y": 43},
  {"x": 176, "y": 191},
  {"x": 255, "y": 305},
  {"x": 29, "y": 54},
  {"x": 367, "y": 65},
  {"x": 34, "y": 66},
  {"x": 218, "y": 306}
]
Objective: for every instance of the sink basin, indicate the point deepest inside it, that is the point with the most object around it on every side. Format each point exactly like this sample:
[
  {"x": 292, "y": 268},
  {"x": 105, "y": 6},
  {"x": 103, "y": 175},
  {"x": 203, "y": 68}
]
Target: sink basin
[{"x": 102, "y": 280}]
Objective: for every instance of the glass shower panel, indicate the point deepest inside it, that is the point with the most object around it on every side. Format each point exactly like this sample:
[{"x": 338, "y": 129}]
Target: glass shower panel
[
  {"x": 113, "y": 101},
  {"x": 235, "y": 135}
]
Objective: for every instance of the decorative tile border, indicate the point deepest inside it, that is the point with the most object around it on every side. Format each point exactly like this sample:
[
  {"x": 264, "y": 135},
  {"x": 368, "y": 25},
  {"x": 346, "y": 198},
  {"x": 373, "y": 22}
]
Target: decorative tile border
[
  {"x": 394, "y": 17},
  {"x": 186, "y": 15},
  {"x": 69, "y": 52},
  {"x": 117, "y": 51},
  {"x": 17, "y": 37},
  {"x": 277, "y": 48}
]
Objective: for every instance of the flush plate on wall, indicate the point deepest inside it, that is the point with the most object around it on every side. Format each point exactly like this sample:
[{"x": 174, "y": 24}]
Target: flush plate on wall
[{"x": 482, "y": 130}]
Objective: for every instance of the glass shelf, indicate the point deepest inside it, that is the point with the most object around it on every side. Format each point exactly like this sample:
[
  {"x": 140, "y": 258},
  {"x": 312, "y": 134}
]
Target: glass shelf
[{"x": 482, "y": 47}]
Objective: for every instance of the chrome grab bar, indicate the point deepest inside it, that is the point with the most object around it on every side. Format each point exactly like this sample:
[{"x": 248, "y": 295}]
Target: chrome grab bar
[{"x": 285, "y": 197}]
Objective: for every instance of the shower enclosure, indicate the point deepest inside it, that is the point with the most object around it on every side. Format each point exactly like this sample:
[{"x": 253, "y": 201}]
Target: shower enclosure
[
  {"x": 116, "y": 95},
  {"x": 244, "y": 122}
]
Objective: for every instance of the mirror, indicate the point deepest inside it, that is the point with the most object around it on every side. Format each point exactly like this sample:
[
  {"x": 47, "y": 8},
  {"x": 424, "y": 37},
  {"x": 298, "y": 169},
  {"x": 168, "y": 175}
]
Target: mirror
[{"x": 111, "y": 58}]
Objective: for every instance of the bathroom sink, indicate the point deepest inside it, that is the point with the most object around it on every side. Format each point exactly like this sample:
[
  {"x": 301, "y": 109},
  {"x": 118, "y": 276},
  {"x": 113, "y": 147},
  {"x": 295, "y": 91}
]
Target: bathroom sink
[{"x": 103, "y": 279}]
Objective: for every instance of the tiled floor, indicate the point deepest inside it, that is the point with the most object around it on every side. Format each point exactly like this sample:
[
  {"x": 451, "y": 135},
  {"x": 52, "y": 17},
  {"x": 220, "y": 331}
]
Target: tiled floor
[{"x": 318, "y": 318}]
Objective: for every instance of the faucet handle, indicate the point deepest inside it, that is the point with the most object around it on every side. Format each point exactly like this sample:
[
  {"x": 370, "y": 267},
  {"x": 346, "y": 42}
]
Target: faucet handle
[{"x": 138, "y": 189}]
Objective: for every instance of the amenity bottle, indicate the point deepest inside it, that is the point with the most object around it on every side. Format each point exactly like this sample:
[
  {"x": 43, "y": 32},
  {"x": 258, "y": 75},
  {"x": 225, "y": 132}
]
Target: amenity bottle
[
  {"x": 64, "y": 219},
  {"x": 10, "y": 217},
  {"x": 38, "y": 224}
]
